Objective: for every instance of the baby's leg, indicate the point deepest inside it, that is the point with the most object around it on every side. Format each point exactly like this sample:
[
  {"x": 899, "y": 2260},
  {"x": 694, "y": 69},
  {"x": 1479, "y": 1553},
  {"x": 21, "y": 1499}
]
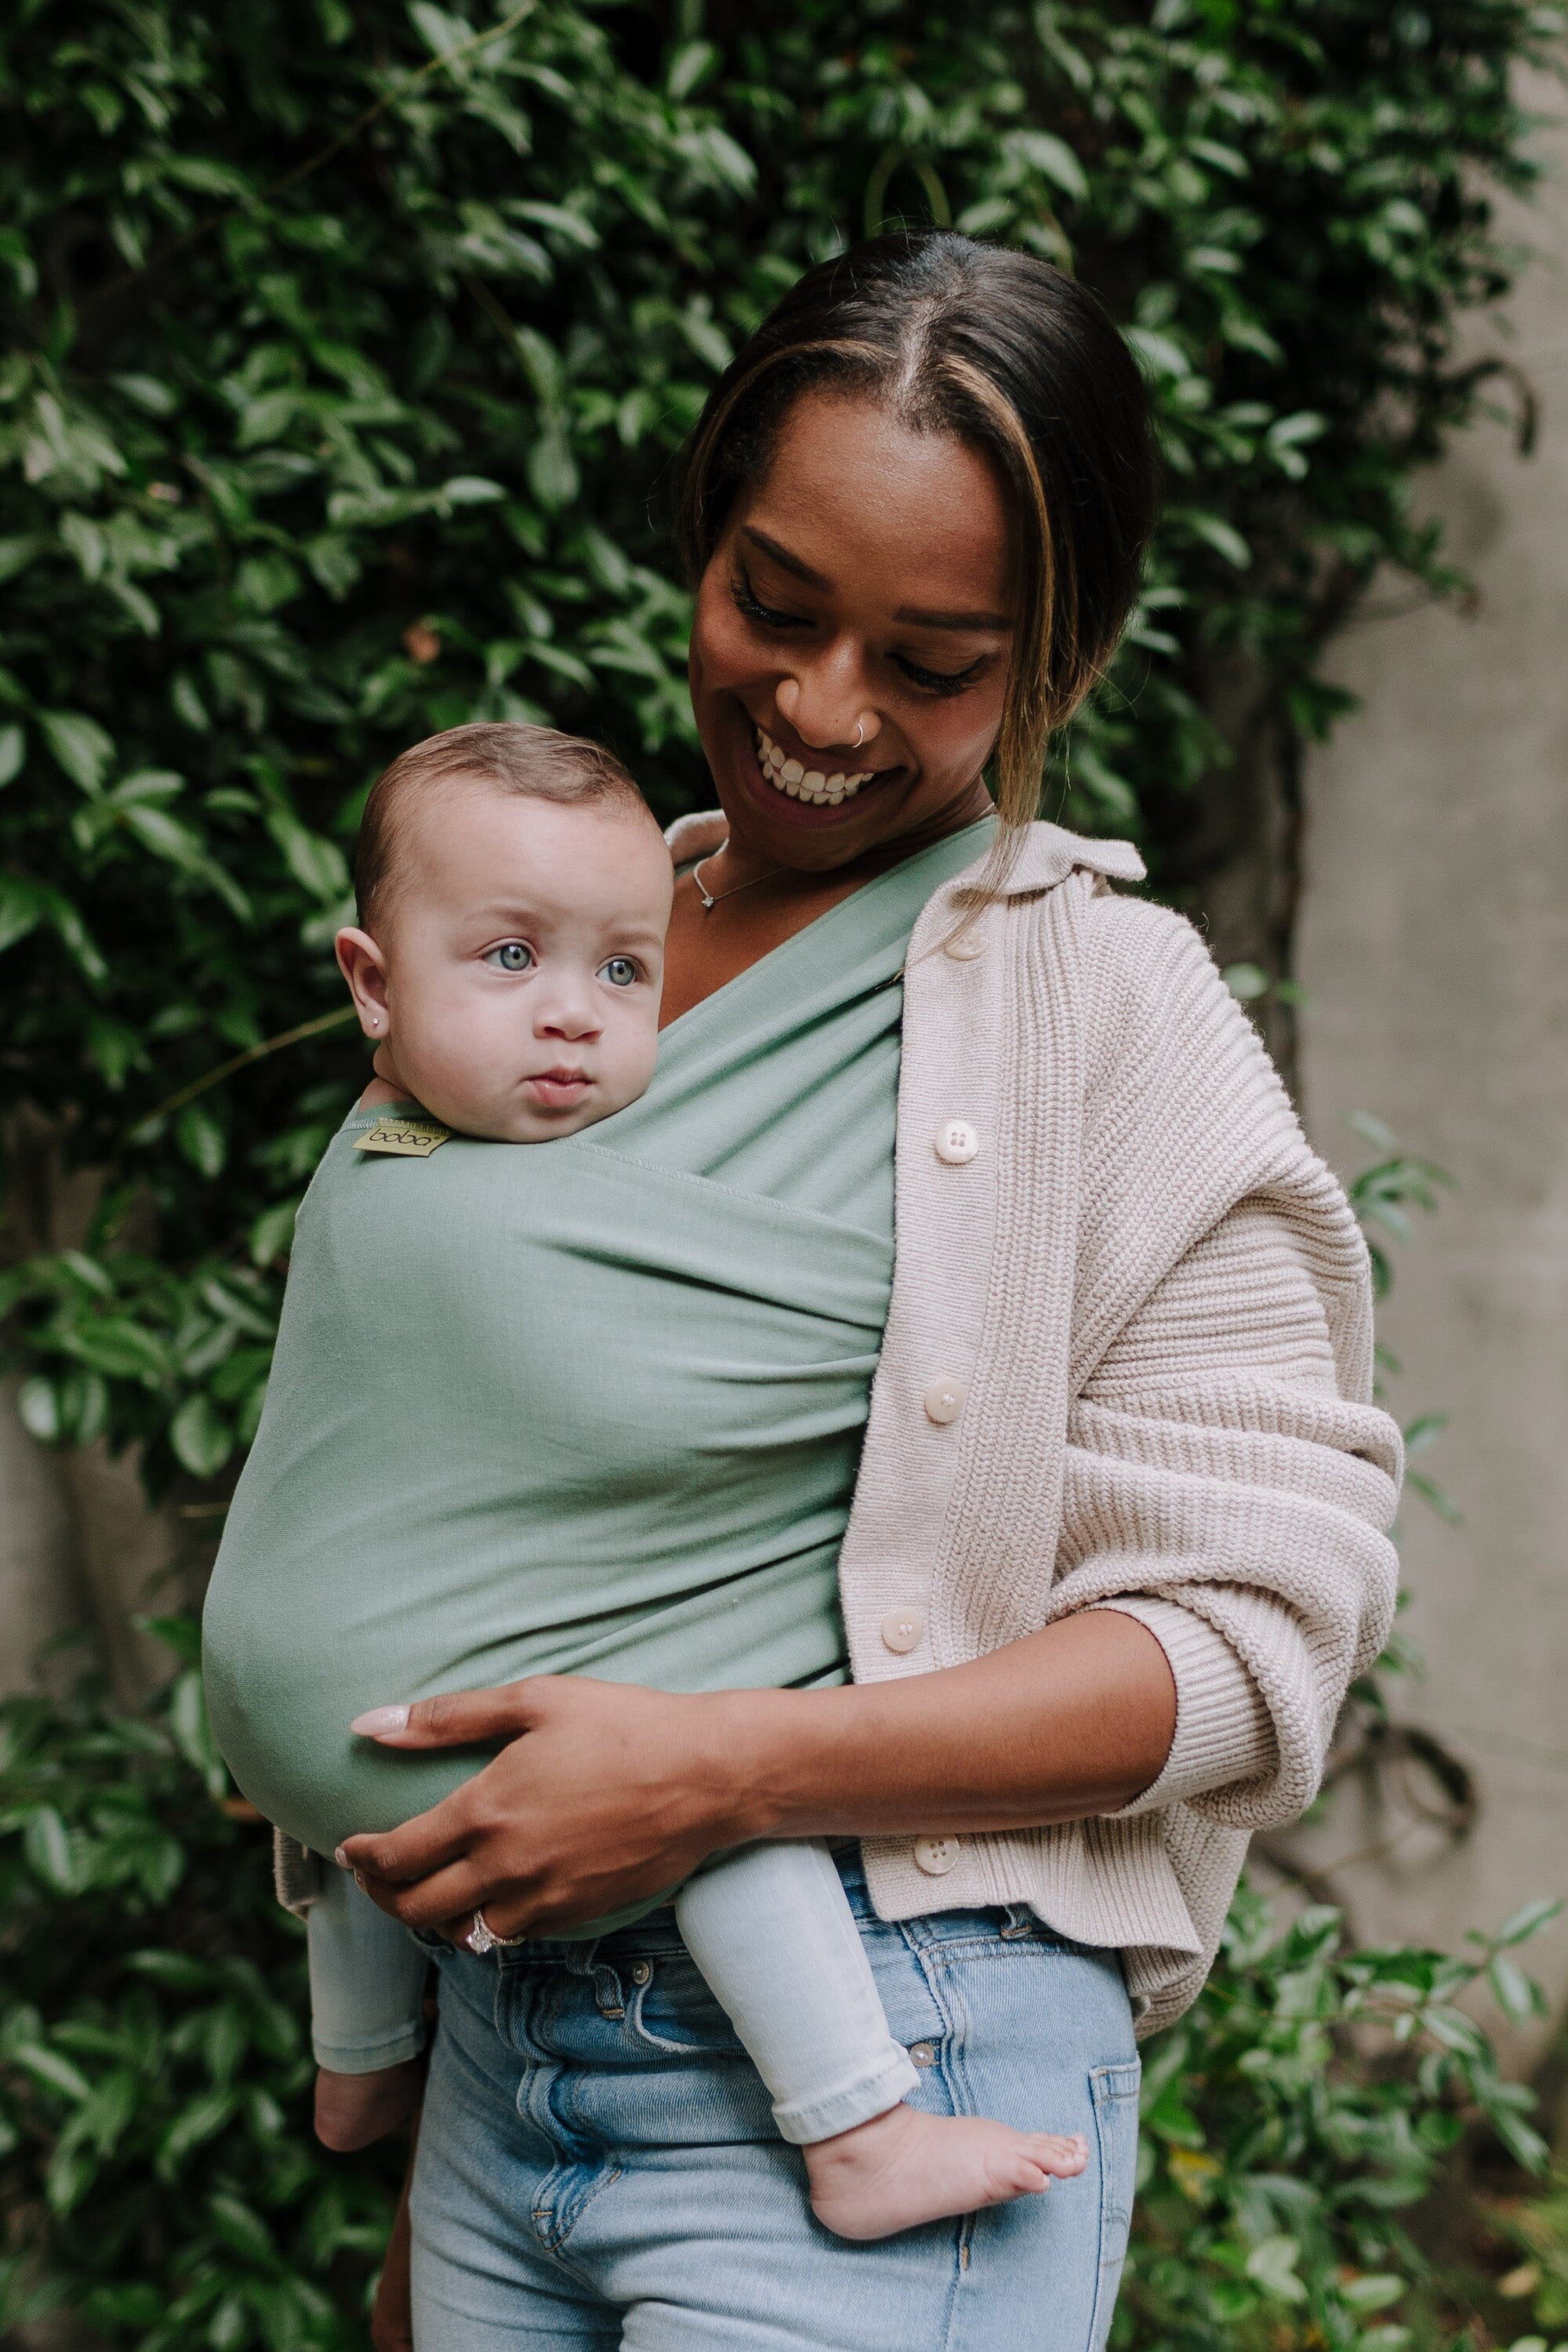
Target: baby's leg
[{"x": 770, "y": 1929}]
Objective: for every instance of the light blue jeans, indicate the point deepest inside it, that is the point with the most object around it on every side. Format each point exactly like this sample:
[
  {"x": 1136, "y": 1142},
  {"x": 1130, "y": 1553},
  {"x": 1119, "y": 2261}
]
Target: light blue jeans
[{"x": 598, "y": 2166}]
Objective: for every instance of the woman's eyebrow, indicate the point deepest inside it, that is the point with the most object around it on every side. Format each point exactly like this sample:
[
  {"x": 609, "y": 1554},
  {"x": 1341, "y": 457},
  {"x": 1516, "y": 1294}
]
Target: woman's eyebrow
[
  {"x": 783, "y": 557},
  {"x": 911, "y": 615}
]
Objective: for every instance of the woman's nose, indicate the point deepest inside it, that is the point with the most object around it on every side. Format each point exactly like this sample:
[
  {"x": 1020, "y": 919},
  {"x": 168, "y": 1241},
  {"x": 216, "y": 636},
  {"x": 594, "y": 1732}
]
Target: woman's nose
[{"x": 828, "y": 708}]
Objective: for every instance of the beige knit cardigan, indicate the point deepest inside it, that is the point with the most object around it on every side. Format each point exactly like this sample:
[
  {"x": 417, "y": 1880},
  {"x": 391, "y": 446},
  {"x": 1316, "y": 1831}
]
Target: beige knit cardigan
[
  {"x": 1128, "y": 1365},
  {"x": 1152, "y": 1302}
]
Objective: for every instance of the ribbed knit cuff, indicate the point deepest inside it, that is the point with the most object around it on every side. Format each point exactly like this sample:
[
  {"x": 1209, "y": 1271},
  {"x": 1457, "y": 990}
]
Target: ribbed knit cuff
[{"x": 1224, "y": 1732}]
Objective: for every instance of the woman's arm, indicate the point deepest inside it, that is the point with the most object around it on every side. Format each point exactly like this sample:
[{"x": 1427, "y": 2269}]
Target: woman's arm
[{"x": 608, "y": 1794}]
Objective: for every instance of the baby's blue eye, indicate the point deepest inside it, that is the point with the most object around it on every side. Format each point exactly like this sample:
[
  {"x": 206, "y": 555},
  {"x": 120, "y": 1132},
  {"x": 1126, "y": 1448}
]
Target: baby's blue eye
[
  {"x": 510, "y": 956},
  {"x": 620, "y": 972}
]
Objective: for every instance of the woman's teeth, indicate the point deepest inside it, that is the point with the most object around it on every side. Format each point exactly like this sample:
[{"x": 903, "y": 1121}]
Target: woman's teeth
[{"x": 788, "y": 775}]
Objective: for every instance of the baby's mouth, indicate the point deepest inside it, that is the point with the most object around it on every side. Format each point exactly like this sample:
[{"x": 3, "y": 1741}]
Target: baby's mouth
[
  {"x": 558, "y": 1089},
  {"x": 799, "y": 783}
]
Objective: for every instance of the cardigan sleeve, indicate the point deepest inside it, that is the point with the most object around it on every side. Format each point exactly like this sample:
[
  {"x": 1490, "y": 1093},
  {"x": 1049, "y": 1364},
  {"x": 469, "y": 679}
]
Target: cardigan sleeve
[{"x": 1220, "y": 1488}]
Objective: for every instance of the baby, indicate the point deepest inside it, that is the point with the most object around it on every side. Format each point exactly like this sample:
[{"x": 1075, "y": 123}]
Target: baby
[{"x": 514, "y": 893}]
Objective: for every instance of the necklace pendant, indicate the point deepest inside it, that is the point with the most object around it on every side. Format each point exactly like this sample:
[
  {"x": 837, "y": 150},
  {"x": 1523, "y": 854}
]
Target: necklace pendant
[{"x": 710, "y": 897}]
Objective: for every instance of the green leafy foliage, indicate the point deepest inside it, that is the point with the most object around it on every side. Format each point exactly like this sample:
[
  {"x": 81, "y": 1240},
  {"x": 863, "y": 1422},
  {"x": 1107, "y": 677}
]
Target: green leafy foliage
[
  {"x": 1308, "y": 2101},
  {"x": 347, "y": 354},
  {"x": 158, "y": 2178}
]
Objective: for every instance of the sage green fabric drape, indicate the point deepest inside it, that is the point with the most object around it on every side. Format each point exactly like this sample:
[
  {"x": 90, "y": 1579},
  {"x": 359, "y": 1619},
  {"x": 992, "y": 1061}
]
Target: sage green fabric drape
[{"x": 592, "y": 1406}]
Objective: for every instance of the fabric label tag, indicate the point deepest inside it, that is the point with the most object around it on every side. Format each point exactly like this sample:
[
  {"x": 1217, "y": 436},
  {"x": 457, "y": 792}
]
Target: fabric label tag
[{"x": 403, "y": 1139}]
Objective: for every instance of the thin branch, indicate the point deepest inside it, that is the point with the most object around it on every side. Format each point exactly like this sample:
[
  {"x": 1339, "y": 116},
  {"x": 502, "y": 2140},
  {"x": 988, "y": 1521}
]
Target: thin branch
[{"x": 295, "y": 1036}]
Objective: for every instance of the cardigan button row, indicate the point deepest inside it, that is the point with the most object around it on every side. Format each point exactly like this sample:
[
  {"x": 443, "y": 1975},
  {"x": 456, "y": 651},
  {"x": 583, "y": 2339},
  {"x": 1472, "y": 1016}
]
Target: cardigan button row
[{"x": 956, "y": 1143}]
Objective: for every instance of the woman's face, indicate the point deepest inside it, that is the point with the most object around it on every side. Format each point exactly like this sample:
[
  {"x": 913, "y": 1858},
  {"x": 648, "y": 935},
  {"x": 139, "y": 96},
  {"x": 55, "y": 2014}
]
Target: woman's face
[{"x": 849, "y": 649}]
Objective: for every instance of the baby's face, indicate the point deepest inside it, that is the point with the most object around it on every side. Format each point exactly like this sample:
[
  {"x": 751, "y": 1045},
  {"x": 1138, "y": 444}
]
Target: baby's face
[{"x": 518, "y": 961}]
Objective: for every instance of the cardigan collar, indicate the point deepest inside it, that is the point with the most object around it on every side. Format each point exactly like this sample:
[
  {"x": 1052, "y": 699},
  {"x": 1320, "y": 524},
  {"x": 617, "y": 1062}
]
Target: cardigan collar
[{"x": 1048, "y": 854}]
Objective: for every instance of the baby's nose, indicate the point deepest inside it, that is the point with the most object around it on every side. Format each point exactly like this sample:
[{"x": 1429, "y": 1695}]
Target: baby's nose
[{"x": 568, "y": 1015}]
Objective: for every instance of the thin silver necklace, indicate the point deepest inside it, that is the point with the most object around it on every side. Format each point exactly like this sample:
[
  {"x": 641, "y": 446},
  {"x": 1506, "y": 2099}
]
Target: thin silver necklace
[{"x": 710, "y": 897}]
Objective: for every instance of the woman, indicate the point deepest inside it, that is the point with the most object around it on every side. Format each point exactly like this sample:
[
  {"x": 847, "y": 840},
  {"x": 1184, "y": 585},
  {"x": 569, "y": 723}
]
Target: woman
[{"x": 1115, "y": 1542}]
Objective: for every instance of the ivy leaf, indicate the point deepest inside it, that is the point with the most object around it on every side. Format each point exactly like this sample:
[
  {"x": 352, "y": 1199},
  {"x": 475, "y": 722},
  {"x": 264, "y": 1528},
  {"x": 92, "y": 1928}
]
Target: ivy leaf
[
  {"x": 272, "y": 1233},
  {"x": 193, "y": 1733},
  {"x": 201, "y": 1437},
  {"x": 38, "y": 1408},
  {"x": 82, "y": 747},
  {"x": 552, "y": 473},
  {"x": 1222, "y": 536},
  {"x": 52, "y": 2070},
  {"x": 1273, "y": 2266},
  {"x": 47, "y": 1843},
  {"x": 689, "y": 68},
  {"x": 201, "y": 1139},
  {"x": 1052, "y": 158}
]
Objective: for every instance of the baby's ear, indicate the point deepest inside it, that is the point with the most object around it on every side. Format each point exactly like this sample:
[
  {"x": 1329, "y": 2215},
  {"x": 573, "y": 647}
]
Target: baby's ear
[
  {"x": 364, "y": 967},
  {"x": 690, "y": 837}
]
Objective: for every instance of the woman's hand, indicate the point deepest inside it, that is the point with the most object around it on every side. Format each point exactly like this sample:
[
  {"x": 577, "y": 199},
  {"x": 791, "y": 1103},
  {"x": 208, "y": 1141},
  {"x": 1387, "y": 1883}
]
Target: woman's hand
[{"x": 606, "y": 1794}]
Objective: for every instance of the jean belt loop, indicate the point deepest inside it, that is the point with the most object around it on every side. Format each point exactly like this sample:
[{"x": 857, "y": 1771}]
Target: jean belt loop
[{"x": 608, "y": 1991}]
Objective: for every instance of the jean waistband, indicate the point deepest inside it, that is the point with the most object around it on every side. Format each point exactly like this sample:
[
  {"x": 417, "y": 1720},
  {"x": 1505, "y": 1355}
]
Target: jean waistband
[{"x": 659, "y": 1934}]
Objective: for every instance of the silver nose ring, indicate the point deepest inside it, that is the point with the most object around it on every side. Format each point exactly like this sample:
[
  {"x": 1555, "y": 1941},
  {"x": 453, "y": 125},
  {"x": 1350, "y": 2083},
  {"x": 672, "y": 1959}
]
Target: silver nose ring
[{"x": 860, "y": 732}]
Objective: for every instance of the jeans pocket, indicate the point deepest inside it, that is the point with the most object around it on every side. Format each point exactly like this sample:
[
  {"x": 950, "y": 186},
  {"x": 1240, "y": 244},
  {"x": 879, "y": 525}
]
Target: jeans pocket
[
  {"x": 672, "y": 2011},
  {"x": 1113, "y": 2094}
]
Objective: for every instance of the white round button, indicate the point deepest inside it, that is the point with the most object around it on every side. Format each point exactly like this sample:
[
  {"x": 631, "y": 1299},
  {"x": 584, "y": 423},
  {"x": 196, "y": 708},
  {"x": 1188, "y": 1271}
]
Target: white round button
[
  {"x": 965, "y": 945},
  {"x": 936, "y": 1856},
  {"x": 956, "y": 1142},
  {"x": 923, "y": 2053},
  {"x": 945, "y": 1400},
  {"x": 902, "y": 1630}
]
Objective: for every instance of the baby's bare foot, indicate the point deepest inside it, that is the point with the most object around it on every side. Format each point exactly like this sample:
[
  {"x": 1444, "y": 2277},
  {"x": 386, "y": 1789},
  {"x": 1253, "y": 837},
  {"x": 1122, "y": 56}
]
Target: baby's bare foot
[{"x": 906, "y": 2166}]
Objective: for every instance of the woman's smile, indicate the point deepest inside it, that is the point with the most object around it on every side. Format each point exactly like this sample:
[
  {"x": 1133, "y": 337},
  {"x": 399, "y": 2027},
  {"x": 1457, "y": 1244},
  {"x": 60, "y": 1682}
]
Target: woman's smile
[{"x": 789, "y": 770}]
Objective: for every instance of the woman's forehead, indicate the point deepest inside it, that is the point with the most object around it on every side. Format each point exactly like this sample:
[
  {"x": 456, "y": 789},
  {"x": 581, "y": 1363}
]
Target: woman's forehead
[{"x": 854, "y": 495}]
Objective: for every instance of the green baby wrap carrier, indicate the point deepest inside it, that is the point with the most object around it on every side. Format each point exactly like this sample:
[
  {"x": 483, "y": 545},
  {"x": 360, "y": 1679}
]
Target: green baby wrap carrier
[{"x": 592, "y": 1406}]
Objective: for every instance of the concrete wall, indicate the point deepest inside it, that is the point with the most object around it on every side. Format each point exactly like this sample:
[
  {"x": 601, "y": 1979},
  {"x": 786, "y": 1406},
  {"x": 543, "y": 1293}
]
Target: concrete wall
[{"x": 1434, "y": 949}]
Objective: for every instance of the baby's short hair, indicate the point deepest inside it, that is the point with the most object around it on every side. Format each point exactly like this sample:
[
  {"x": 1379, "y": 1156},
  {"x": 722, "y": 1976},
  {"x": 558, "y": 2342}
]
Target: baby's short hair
[{"x": 538, "y": 763}]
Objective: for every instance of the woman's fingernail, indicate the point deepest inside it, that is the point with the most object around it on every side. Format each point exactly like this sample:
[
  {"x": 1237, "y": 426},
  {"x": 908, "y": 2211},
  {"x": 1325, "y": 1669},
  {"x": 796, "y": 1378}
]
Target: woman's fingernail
[
  {"x": 379, "y": 1719},
  {"x": 340, "y": 1857}
]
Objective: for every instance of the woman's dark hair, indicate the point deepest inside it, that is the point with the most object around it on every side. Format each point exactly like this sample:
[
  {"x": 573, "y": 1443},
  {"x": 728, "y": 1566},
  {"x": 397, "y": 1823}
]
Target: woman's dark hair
[{"x": 1020, "y": 362}]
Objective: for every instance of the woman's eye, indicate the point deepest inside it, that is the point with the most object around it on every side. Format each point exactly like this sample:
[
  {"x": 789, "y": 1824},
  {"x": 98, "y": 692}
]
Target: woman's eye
[
  {"x": 620, "y": 972},
  {"x": 766, "y": 616},
  {"x": 510, "y": 956},
  {"x": 940, "y": 681}
]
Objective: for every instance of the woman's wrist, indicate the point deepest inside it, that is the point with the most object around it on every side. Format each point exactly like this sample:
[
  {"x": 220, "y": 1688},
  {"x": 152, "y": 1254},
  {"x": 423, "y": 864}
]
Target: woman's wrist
[{"x": 756, "y": 1761}]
